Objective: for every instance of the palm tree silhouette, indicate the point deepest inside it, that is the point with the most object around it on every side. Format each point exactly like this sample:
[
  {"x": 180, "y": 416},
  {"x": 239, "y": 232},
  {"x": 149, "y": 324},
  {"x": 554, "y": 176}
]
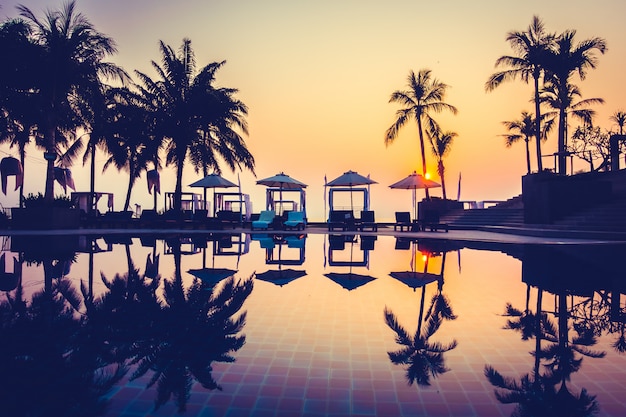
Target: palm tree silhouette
[
  {"x": 193, "y": 116},
  {"x": 561, "y": 63},
  {"x": 130, "y": 146},
  {"x": 565, "y": 104},
  {"x": 18, "y": 124},
  {"x": 524, "y": 129},
  {"x": 531, "y": 47},
  {"x": 423, "y": 96},
  {"x": 441, "y": 143},
  {"x": 619, "y": 117},
  {"x": 71, "y": 53}
]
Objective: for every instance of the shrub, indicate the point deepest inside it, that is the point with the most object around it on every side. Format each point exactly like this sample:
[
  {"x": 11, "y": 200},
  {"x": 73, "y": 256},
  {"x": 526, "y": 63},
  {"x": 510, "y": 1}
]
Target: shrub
[{"x": 62, "y": 201}]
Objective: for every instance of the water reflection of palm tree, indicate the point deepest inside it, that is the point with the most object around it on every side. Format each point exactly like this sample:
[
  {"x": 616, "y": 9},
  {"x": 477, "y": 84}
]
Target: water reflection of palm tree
[
  {"x": 47, "y": 367},
  {"x": 537, "y": 393},
  {"x": 423, "y": 357},
  {"x": 194, "y": 328}
]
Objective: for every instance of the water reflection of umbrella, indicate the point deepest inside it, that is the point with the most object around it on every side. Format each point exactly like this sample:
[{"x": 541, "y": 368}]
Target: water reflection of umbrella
[
  {"x": 414, "y": 182},
  {"x": 211, "y": 276},
  {"x": 280, "y": 277},
  {"x": 349, "y": 280},
  {"x": 212, "y": 181},
  {"x": 282, "y": 181},
  {"x": 414, "y": 279},
  {"x": 350, "y": 179}
]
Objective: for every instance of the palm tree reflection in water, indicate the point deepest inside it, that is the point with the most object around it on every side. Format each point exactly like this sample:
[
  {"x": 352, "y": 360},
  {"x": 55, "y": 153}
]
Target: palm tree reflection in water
[
  {"x": 424, "y": 358},
  {"x": 63, "y": 359},
  {"x": 546, "y": 393}
]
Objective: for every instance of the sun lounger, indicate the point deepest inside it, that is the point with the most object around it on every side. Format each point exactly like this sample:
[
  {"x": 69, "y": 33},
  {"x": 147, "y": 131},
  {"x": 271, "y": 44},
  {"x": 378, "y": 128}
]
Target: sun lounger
[
  {"x": 342, "y": 219},
  {"x": 295, "y": 220},
  {"x": 367, "y": 221},
  {"x": 266, "y": 218},
  {"x": 229, "y": 218},
  {"x": 403, "y": 220}
]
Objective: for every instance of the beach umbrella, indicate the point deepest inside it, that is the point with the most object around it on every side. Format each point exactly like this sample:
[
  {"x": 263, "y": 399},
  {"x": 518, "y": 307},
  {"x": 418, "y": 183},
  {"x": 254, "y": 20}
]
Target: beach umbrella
[
  {"x": 350, "y": 179},
  {"x": 414, "y": 182},
  {"x": 282, "y": 181},
  {"x": 212, "y": 181}
]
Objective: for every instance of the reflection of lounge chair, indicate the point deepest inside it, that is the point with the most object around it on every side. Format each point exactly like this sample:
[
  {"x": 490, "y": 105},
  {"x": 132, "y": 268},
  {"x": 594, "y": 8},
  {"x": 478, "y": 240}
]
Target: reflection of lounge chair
[
  {"x": 295, "y": 220},
  {"x": 403, "y": 220},
  {"x": 266, "y": 217},
  {"x": 367, "y": 221},
  {"x": 367, "y": 242},
  {"x": 403, "y": 243},
  {"x": 337, "y": 242}
]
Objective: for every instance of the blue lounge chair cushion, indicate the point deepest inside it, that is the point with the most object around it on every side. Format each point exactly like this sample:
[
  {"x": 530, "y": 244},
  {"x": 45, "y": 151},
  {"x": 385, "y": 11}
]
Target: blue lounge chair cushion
[
  {"x": 266, "y": 217},
  {"x": 295, "y": 219}
]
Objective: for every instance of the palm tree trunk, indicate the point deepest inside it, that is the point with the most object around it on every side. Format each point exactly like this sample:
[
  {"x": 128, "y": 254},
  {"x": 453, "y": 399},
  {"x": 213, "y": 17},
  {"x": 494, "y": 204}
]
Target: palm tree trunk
[
  {"x": 537, "y": 123},
  {"x": 527, "y": 155},
  {"x": 92, "y": 180},
  {"x": 562, "y": 159},
  {"x": 178, "y": 190},
  {"x": 421, "y": 135},
  {"x": 128, "y": 191},
  {"x": 22, "y": 160},
  {"x": 50, "y": 157},
  {"x": 442, "y": 170}
]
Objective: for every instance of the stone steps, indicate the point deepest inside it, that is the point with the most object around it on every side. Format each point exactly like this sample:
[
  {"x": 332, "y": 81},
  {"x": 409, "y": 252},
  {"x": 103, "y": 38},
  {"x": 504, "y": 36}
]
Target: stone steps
[
  {"x": 609, "y": 217},
  {"x": 485, "y": 217}
]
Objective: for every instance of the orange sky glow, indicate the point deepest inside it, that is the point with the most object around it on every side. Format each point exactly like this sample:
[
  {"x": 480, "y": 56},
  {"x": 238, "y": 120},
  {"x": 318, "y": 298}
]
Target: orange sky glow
[{"x": 317, "y": 77}]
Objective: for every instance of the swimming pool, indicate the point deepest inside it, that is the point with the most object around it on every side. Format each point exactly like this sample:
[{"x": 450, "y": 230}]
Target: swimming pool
[{"x": 310, "y": 325}]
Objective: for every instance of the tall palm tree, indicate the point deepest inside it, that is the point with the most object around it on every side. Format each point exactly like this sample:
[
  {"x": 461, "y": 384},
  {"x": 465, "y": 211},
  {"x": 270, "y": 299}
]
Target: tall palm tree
[
  {"x": 619, "y": 117},
  {"x": 17, "y": 119},
  {"x": 562, "y": 62},
  {"x": 564, "y": 104},
  {"x": 71, "y": 53},
  {"x": 531, "y": 47},
  {"x": 441, "y": 143},
  {"x": 129, "y": 143},
  {"x": 524, "y": 129},
  {"x": 191, "y": 112},
  {"x": 424, "y": 95}
]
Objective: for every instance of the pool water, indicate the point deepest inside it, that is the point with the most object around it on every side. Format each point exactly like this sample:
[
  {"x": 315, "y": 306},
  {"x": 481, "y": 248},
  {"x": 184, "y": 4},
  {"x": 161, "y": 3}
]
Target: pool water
[{"x": 310, "y": 325}]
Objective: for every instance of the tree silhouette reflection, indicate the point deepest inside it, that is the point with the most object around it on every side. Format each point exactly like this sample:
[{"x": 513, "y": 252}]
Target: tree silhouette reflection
[
  {"x": 423, "y": 358},
  {"x": 47, "y": 369},
  {"x": 58, "y": 359},
  {"x": 560, "y": 344},
  {"x": 193, "y": 328}
]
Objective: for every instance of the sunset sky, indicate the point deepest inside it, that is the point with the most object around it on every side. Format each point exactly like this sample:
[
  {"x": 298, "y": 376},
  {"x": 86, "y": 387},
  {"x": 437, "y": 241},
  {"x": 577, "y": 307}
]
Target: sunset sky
[{"x": 317, "y": 77}]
